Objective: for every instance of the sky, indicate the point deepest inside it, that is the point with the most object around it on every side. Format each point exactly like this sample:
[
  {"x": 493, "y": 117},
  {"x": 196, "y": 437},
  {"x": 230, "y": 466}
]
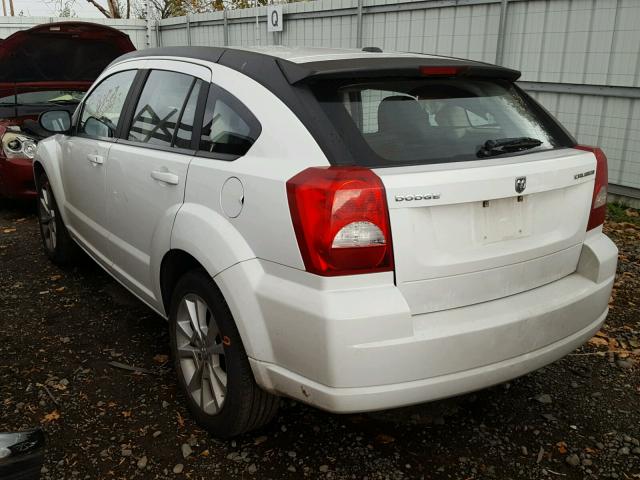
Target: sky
[{"x": 47, "y": 8}]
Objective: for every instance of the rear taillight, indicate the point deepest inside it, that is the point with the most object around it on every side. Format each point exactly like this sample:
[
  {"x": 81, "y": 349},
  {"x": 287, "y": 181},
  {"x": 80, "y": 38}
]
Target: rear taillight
[
  {"x": 341, "y": 220},
  {"x": 599, "y": 201},
  {"x": 441, "y": 71}
]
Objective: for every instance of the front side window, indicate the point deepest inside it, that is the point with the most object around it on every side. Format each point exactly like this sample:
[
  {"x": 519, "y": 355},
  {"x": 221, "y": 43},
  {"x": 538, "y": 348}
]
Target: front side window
[
  {"x": 159, "y": 107},
  {"x": 103, "y": 106},
  {"x": 228, "y": 126},
  {"x": 406, "y": 121}
]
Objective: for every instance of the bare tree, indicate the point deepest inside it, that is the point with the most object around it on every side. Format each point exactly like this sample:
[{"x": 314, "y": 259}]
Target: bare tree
[
  {"x": 113, "y": 8},
  {"x": 63, "y": 8},
  {"x": 102, "y": 10}
]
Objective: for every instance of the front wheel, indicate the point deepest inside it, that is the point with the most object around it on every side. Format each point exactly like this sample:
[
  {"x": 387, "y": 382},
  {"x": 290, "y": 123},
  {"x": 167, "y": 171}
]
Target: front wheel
[
  {"x": 56, "y": 240},
  {"x": 211, "y": 364}
]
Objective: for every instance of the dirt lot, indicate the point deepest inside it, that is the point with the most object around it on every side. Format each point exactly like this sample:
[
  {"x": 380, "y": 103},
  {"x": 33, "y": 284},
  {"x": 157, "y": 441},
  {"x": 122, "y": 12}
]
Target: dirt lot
[{"x": 60, "y": 331}]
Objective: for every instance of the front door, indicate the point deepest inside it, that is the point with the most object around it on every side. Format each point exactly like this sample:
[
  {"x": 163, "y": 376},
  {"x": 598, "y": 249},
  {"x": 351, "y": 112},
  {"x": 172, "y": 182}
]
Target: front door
[{"x": 84, "y": 162}]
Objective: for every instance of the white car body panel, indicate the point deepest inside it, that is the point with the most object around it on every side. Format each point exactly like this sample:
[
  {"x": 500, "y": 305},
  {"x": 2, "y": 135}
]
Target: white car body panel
[
  {"x": 484, "y": 242},
  {"x": 274, "y": 158},
  {"x": 377, "y": 355},
  {"x": 512, "y": 302},
  {"x": 84, "y": 183}
]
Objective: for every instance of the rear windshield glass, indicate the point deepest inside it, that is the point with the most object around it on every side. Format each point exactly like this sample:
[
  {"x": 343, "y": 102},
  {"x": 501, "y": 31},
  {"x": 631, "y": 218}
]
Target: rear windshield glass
[{"x": 400, "y": 122}]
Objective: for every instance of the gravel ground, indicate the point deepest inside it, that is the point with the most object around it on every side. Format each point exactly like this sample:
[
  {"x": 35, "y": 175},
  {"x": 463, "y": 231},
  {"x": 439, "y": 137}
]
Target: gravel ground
[{"x": 62, "y": 329}]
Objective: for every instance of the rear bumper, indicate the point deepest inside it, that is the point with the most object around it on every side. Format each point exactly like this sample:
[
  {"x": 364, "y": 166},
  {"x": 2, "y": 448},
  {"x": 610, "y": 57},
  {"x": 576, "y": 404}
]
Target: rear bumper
[
  {"x": 361, "y": 399},
  {"x": 348, "y": 347},
  {"x": 16, "y": 178}
]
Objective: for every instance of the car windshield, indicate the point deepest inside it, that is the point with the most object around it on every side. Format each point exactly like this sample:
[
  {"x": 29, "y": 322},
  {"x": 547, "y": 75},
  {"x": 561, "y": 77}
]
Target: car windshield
[
  {"x": 401, "y": 122},
  {"x": 43, "y": 97}
]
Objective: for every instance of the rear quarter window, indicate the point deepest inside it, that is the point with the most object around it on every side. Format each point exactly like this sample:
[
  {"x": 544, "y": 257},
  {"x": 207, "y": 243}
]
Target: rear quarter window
[
  {"x": 422, "y": 121},
  {"x": 229, "y": 129}
]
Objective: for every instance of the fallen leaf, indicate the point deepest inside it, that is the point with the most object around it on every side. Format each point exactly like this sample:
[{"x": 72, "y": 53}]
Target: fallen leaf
[
  {"x": 384, "y": 439},
  {"x": 9, "y": 230},
  {"x": 54, "y": 278},
  {"x": 180, "y": 419},
  {"x": 126, "y": 413},
  {"x": 61, "y": 289},
  {"x": 161, "y": 358},
  {"x": 260, "y": 440},
  {"x": 50, "y": 417},
  {"x": 562, "y": 447},
  {"x": 205, "y": 453},
  {"x": 598, "y": 342},
  {"x": 613, "y": 344}
]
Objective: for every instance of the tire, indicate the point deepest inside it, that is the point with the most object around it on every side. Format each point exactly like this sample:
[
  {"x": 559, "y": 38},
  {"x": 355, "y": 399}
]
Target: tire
[
  {"x": 58, "y": 244},
  {"x": 211, "y": 364}
]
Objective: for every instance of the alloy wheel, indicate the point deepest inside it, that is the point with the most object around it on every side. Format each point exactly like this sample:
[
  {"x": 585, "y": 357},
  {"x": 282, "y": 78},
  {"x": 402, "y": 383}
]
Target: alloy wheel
[
  {"x": 200, "y": 351},
  {"x": 47, "y": 216}
]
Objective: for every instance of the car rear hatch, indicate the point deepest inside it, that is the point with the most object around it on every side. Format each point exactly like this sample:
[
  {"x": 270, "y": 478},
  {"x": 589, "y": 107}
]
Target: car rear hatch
[
  {"x": 464, "y": 235},
  {"x": 486, "y": 195}
]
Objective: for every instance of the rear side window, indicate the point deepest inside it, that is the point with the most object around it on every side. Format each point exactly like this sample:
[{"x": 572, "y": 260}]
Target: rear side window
[
  {"x": 228, "y": 127},
  {"x": 159, "y": 107},
  {"x": 103, "y": 106},
  {"x": 405, "y": 121}
]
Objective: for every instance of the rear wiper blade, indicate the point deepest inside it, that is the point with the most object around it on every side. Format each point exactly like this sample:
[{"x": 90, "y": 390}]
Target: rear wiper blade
[{"x": 504, "y": 145}]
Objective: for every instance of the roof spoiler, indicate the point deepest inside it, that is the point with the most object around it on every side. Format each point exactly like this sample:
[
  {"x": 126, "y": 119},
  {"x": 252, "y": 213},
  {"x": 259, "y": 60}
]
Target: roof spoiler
[{"x": 380, "y": 66}]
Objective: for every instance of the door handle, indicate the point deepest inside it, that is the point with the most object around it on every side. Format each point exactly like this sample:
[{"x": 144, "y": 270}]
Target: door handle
[
  {"x": 95, "y": 159},
  {"x": 165, "y": 177}
]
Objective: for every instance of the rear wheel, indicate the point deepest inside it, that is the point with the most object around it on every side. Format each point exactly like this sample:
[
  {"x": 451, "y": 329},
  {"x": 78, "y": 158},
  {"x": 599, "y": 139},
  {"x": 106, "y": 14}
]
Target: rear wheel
[
  {"x": 211, "y": 363},
  {"x": 56, "y": 240}
]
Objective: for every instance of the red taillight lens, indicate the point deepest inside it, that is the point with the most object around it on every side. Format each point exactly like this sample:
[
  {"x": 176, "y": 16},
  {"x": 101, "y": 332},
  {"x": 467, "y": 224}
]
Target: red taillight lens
[
  {"x": 441, "y": 71},
  {"x": 599, "y": 201},
  {"x": 341, "y": 220}
]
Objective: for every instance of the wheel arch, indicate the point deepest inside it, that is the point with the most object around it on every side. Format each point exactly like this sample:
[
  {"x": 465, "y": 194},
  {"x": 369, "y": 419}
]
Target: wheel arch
[
  {"x": 47, "y": 161},
  {"x": 174, "y": 265},
  {"x": 244, "y": 310}
]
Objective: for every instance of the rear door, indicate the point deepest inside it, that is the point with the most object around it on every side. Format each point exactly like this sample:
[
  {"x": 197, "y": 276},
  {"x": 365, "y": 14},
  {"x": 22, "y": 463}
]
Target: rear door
[
  {"x": 83, "y": 161},
  {"x": 147, "y": 170}
]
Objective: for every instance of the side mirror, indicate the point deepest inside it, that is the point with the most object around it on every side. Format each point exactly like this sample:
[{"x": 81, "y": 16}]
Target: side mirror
[{"x": 55, "y": 121}]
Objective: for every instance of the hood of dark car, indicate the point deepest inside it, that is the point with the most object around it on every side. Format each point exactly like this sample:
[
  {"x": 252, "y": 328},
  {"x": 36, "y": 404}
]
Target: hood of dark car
[{"x": 60, "y": 52}]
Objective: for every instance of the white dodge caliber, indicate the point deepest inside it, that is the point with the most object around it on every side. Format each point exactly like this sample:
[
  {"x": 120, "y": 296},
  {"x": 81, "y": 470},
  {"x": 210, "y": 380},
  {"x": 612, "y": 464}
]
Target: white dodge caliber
[{"x": 357, "y": 230}]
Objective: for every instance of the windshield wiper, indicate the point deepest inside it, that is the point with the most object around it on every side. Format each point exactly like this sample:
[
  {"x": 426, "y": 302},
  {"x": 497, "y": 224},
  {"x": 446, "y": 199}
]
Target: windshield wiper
[{"x": 499, "y": 146}]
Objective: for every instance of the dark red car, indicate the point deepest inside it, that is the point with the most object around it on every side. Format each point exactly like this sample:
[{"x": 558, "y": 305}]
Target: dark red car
[{"x": 48, "y": 66}]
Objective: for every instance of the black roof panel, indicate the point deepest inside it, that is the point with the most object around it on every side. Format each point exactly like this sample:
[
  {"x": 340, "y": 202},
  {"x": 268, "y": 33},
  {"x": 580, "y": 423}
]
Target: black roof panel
[{"x": 250, "y": 62}]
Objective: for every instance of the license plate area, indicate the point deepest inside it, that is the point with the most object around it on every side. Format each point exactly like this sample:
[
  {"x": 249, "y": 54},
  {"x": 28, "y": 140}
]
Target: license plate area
[{"x": 502, "y": 219}]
